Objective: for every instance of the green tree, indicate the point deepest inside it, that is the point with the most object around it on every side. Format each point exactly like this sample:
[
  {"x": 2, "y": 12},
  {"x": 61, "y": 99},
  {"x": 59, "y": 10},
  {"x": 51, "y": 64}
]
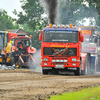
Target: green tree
[
  {"x": 31, "y": 18},
  {"x": 6, "y": 22},
  {"x": 96, "y": 4},
  {"x": 74, "y": 11}
]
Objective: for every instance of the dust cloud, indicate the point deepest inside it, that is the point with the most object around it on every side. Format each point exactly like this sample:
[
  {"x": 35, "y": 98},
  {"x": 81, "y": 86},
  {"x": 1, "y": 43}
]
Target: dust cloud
[{"x": 36, "y": 65}]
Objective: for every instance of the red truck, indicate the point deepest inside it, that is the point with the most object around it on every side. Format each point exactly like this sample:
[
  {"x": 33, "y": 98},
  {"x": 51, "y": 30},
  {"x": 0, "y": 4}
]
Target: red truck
[
  {"x": 61, "y": 48},
  {"x": 89, "y": 50}
]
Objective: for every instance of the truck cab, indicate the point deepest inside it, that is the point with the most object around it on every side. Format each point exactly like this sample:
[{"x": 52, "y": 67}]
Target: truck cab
[{"x": 61, "y": 49}]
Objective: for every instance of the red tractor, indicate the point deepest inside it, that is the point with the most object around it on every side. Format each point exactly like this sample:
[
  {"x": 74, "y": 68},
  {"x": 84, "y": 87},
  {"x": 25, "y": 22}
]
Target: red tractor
[{"x": 27, "y": 51}]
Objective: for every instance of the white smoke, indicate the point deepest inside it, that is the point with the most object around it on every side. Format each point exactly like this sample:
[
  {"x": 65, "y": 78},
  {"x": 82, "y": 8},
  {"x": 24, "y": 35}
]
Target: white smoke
[
  {"x": 37, "y": 58},
  {"x": 5, "y": 67}
]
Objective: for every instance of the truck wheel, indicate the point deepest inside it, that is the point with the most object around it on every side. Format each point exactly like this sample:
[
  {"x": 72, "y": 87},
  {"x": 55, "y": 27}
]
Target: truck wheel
[
  {"x": 77, "y": 72},
  {"x": 45, "y": 71}
]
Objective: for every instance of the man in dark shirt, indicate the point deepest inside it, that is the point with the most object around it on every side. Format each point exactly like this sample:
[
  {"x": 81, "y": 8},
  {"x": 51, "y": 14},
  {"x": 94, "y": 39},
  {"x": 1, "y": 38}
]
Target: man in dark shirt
[{"x": 17, "y": 56}]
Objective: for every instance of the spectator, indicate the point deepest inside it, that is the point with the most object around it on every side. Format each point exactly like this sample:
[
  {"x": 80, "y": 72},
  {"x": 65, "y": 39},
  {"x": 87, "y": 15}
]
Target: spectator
[{"x": 17, "y": 56}]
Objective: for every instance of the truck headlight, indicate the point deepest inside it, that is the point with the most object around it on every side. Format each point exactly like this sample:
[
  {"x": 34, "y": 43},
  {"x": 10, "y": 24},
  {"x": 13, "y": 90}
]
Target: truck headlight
[
  {"x": 65, "y": 60},
  {"x": 61, "y": 61},
  {"x": 45, "y": 59},
  {"x": 45, "y": 64},
  {"x": 73, "y": 59},
  {"x": 74, "y": 64},
  {"x": 57, "y": 60},
  {"x": 53, "y": 60}
]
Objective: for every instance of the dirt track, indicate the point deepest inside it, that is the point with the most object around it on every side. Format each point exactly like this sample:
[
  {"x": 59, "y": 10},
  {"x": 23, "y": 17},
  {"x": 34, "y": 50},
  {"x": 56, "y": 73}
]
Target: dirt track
[{"x": 23, "y": 84}]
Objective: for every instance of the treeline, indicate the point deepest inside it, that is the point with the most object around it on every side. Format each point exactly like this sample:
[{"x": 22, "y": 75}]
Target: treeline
[
  {"x": 6, "y": 22},
  {"x": 34, "y": 18}
]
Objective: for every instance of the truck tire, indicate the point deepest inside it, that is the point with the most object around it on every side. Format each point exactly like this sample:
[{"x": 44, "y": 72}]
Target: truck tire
[
  {"x": 77, "y": 72},
  {"x": 45, "y": 71}
]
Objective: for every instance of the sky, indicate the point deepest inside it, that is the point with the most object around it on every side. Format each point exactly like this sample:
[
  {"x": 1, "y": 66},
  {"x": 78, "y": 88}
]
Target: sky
[{"x": 10, "y": 5}]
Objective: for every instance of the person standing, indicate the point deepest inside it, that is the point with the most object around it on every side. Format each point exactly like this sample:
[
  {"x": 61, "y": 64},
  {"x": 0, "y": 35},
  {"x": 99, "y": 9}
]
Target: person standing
[
  {"x": 17, "y": 56},
  {"x": 9, "y": 45},
  {"x": 4, "y": 56}
]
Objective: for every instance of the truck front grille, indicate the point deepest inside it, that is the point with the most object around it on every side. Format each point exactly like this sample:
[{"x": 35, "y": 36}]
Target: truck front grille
[{"x": 62, "y": 51}]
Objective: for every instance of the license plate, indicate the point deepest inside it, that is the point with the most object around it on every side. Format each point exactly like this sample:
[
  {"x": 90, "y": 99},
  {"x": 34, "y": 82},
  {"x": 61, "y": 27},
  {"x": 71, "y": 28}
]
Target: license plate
[{"x": 59, "y": 66}]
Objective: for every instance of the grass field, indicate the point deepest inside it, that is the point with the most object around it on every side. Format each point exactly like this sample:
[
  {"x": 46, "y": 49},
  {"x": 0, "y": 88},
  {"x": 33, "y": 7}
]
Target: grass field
[{"x": 85, "y": 94}]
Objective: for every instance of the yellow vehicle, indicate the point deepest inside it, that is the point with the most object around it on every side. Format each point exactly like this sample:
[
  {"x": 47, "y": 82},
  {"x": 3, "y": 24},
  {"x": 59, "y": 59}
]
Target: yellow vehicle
[{"x": 5, "y": 41}]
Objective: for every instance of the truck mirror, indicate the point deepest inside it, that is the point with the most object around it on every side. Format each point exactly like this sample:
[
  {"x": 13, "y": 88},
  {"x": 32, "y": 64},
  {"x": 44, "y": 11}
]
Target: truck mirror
[
  {"x": 40, "y": 37},
  {"x": 82, "y": 38}
]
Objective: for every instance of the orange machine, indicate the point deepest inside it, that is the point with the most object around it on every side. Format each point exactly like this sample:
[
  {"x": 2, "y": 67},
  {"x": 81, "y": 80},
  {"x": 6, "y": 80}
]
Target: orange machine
[{"x": 26, "y": 50}]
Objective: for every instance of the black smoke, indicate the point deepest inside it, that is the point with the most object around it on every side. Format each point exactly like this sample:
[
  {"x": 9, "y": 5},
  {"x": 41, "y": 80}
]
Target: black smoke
[{"x": 51, "y": 8}]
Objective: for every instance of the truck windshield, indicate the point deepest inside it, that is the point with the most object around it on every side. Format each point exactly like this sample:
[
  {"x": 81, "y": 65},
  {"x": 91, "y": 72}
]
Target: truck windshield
[
  {"x": 61, "y": 36},
  {"x": 25, "y": 42}
]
